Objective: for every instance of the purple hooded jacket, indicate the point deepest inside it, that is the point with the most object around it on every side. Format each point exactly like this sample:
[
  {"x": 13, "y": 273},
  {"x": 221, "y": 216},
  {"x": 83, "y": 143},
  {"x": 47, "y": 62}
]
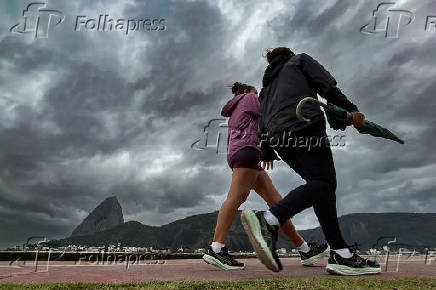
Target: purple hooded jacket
[{"x": 243, "y": 111}]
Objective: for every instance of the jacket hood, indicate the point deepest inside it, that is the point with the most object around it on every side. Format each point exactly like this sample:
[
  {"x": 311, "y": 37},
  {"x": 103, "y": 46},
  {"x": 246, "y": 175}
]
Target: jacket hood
[
  {"x": 274, "y": 68},
  {"x": 228, "y": 108}
]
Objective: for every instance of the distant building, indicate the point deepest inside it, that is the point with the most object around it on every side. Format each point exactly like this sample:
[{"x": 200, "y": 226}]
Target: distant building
[
  {"x": 373, "y": 252},
  {"x": 281, "y": 251}
]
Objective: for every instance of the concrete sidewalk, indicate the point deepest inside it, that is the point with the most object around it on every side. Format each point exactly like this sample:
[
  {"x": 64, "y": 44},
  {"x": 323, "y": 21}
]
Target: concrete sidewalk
[{"x": 194, "y": 269}]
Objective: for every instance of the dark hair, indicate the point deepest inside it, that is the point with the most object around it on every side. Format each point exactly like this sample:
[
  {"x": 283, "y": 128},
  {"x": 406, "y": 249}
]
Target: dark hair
[
  {"x": 239, "y": 88},
  {"x": 272, "y": 53}
]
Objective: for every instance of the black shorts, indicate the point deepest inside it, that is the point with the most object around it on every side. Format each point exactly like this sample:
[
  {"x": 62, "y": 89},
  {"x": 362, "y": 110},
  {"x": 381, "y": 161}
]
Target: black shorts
[{"x": 247, "y": 157}]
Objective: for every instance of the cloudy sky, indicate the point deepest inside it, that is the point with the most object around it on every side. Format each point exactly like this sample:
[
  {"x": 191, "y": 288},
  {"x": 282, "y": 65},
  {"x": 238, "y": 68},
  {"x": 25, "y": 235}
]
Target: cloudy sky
[{"x": 89, "y": 114}]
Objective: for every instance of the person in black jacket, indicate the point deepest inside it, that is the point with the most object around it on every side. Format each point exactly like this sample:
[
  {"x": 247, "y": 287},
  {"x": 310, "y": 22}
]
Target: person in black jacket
[{"x": 304, "y": 146}]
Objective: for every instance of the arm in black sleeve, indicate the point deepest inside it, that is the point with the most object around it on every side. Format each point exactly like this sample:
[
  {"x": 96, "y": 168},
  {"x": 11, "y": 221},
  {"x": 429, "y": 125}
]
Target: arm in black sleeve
[
  {"x": 267, "y": 153},
  {"x": 336, "y": 97},
  {"x": 324, "y": 83}
]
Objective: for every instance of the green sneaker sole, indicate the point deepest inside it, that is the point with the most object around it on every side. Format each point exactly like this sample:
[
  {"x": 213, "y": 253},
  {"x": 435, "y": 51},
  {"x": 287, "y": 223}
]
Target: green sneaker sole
[
  {"x": 217, "y": 263},
  {"x": 349, "y": 271},
  {"x": 252, "y": 228},
  {"x": 315, "y": 259}
]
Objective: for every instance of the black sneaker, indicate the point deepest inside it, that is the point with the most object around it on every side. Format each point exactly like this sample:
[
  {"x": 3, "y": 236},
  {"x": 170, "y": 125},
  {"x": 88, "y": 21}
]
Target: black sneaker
[
  {"x": 222, "y": 260},
  {"x": 316, "y": 253},
  {"x": 263, "y": 238},
  {"x": 355, "y": 265}
]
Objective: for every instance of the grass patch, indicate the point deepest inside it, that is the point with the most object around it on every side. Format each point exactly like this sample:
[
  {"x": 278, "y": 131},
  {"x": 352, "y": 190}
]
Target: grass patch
[{"x": 299, "y": 283}]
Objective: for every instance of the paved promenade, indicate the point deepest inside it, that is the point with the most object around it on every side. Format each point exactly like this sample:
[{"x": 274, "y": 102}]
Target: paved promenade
[{"x": 194, "y": 269}]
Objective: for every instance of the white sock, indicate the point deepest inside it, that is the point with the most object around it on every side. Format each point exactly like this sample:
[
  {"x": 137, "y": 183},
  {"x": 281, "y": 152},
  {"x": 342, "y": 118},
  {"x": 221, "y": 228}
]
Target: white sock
[
  {"x": 344, "y": 253},
  {"x": 216, "y": 247},
  {"x": 271, "y": 219},
  {"x": 304, "y": 248}
]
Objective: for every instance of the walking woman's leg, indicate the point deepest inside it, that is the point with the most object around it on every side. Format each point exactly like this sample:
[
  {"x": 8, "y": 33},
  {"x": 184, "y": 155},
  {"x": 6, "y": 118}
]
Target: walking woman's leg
[
  {"x": 243, "y": 179},
  {"x": 266, "y": 189},
  {"x": 217, "y": 254}
]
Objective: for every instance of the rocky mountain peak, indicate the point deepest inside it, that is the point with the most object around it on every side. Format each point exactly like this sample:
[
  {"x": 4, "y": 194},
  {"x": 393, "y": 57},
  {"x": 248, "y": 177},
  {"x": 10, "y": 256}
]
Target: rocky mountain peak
[{"x": 105, "y": 216}]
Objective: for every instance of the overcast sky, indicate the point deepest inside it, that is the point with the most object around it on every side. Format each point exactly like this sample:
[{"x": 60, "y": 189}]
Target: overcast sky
[{"x": 89, "y": 114}]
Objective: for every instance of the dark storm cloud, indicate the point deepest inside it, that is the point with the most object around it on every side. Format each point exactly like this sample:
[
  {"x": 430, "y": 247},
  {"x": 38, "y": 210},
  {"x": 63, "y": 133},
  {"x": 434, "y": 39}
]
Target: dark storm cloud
[
  {"x": 174, "y": 62},
  {"x": 402, "y": 57},
  {"x": 25, "y": 57},
  {"x": 86, "y": 115},
  {"x": 307, "y": 16},
  {"x": 76, "y": 105},
  {"x": 167, "y": 192},
  {"x": 186, "y": 103}
]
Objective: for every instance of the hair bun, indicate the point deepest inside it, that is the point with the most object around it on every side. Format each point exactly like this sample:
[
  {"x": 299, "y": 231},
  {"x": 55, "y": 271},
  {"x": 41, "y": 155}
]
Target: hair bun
[{"x": 238, "y": 88}]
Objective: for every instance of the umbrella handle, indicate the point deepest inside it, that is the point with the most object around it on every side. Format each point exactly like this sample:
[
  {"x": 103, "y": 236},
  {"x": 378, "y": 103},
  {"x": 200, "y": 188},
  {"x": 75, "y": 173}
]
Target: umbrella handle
[{"x": 301, "y": 104}]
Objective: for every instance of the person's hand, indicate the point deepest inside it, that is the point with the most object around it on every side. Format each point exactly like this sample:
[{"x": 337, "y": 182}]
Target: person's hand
[
  {"x": 358, "y": 119},
  {"x": 268, "y": 164}
]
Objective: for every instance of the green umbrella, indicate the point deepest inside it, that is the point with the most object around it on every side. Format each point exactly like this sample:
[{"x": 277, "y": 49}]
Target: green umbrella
[{"x": 338, "y": 119}]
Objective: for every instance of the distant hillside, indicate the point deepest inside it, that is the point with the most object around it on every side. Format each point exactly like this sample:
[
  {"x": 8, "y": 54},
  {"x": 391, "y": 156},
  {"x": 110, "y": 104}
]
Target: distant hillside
[{"x": 411, "y": 230}]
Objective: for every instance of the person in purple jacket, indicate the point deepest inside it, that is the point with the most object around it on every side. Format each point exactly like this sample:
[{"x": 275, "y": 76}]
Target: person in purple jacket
[{"x": 243, "y": 157}]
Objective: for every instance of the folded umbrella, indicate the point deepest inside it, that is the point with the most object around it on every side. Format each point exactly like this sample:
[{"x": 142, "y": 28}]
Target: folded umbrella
[{"x": 338, "y": 119}]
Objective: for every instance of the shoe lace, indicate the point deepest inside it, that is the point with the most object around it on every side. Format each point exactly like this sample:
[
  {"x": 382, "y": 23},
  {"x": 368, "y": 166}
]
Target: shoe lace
[
  {"x": 354, "y": 249},
  {"x": 225, "y": 254},
  {"x": 315, "y": 246},
  {"x": 360, "y": 260}
]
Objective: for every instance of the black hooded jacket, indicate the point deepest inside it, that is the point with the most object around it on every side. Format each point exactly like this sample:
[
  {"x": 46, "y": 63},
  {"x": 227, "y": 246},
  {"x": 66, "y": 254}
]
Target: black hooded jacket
[{"x": 288, "y": 80}]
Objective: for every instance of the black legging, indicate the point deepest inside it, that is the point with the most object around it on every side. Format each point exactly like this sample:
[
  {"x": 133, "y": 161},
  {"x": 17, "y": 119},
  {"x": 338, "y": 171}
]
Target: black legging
[{"x": 315, "y": 165}]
